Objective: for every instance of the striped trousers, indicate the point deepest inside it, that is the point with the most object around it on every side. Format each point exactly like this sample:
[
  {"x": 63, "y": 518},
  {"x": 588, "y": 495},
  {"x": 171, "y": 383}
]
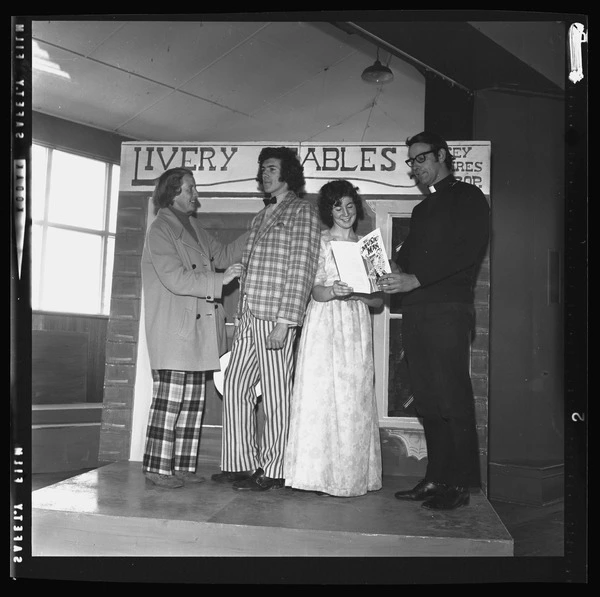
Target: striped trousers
[
  {"x": 173, "y": 432},
  {"x": 249, "y": 364}
]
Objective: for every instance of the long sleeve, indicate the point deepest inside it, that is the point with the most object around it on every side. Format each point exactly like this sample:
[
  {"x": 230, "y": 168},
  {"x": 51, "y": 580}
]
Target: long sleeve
[
  {"x": 449, "y": 232},
  {"x": 225, "y": 255},
  {"x": 302, "y": 266},
  {"x": 169, "y": 266}
]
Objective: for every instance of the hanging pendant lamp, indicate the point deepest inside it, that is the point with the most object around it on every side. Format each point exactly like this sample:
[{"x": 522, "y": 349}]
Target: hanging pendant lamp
[{"x": 377, "y": 73}]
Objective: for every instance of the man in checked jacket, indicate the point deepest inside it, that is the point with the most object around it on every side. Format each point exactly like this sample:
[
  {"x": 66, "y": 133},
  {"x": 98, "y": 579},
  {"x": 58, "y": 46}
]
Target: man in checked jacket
[{"x": 280, "y": 262}]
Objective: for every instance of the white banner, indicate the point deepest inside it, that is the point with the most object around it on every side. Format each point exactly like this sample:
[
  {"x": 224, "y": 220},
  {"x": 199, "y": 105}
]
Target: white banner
[{"x": 231, "y": 168}]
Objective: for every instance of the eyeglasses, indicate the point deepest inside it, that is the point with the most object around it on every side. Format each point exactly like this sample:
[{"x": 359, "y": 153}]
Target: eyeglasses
[{"x": 420, "y": 158}]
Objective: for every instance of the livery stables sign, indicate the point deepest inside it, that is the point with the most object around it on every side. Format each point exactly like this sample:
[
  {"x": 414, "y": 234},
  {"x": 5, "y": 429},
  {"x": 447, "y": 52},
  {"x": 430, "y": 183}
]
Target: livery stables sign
[{"x": 230, "y": 168}]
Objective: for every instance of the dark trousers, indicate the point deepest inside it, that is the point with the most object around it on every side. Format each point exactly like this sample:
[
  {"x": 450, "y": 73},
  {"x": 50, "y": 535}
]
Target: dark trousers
[{"x": 436, "y": 340}]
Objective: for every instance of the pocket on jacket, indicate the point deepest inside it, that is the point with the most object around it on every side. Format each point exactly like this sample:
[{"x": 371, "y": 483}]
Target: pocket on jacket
[{"x": 185, "y": 325}]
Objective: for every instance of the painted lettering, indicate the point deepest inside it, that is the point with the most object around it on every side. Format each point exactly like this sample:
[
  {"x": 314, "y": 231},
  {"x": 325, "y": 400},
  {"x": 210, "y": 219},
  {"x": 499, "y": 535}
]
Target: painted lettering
[
  {"x": 474, "y": 180},
  {"x": 327, "y": 158},
  {"x": 461, "y": 166},
  {"x": 185, "y": 162},
  {"x": 384, "y": 155},
  {"x": 460, "y": 152},
  {"x": 149, "y": 151},
  {"x": 367, "y": 159},
  {"x": 310, "y": 156},
  {"x": 224, "y": 152},
  {"x": 345, "y": 168},
  {"x": 378, "y": 161},
  {"x": 204, "y": 152},
  {"x": 159, "y": 150}
]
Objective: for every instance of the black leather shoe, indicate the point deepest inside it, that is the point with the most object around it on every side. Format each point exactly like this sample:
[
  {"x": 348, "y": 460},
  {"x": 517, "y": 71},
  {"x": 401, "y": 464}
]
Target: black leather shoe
[
  {"x": 249, "y": 482},
  {"x": 259, "y": 482},
  {"x": 422, "y": 490},
  {"x": 264, "y": 483},
  {"x": 229, "y": 477},
  {"x": 451, "y": 498}
]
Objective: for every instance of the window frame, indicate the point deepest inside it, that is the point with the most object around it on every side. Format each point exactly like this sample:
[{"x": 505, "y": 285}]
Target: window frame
[{"x": 105, "y": 234}]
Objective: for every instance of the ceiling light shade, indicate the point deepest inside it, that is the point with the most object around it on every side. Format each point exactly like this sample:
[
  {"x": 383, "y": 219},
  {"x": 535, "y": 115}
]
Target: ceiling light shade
[{"x": 377, "y": 73}]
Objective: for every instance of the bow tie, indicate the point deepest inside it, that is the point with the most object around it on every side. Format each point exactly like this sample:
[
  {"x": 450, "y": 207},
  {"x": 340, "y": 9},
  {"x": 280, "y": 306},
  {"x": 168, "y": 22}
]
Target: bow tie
[{"x": 270, "y": 200}]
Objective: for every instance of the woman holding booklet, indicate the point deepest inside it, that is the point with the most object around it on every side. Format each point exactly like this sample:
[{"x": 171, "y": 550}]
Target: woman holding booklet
[{"x": 333, "y": 445}]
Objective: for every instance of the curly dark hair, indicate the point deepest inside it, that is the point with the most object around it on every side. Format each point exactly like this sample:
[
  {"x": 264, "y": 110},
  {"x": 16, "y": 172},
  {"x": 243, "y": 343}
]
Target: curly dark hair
[
  {"x": 330, "y": 196},
  {"x": 435, "y": 142},
  {"x": 168, "y": 186},
  {"x": 292, "y": 170}
]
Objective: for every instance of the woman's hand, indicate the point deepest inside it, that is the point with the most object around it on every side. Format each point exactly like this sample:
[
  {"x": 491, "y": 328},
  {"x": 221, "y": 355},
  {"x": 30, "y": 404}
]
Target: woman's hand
[{"x": 340, "y": 290}]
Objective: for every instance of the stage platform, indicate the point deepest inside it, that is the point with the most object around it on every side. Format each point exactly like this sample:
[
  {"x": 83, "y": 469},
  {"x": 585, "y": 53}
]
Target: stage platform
[{"x": 115, "y": 511}]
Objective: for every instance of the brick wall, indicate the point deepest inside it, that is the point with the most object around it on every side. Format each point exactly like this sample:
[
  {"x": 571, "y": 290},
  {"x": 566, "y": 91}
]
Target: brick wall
[
  {"x": 123, "y": 329},
  {"x": 480, "y": 363}
]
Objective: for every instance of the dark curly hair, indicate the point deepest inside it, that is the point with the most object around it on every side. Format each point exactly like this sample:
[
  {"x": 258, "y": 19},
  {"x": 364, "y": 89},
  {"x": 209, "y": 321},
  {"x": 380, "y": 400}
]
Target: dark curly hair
[
  {"x": 435, "y": 142},
  {"x": 330, "y": 196},
  {"x": 168, "y": 186},
  {"x": 292, "y": 170}
]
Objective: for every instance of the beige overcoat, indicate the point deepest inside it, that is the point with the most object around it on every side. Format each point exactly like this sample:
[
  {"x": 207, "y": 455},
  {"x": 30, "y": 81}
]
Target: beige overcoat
[{"x": 185, "y": 327}]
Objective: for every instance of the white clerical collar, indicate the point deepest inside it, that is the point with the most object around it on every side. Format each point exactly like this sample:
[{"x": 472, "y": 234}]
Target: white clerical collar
[{"x": 432, "y": 189}]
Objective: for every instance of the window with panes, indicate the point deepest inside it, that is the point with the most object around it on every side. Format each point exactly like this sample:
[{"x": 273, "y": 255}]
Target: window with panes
[{"x": 74, "y": 217}]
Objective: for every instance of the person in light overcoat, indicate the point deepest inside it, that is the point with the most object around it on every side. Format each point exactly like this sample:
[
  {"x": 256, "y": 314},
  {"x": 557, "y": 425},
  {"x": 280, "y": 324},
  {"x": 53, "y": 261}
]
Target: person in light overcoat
[{"x": 184, "y": 323}]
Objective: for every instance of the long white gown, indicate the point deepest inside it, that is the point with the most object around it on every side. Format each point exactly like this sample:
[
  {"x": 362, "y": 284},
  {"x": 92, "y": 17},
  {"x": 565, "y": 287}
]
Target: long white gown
[{"x": 333, "y": 443}]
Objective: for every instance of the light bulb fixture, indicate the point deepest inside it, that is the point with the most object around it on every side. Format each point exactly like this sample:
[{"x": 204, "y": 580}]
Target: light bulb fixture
[{"x": 377, "y": 73}]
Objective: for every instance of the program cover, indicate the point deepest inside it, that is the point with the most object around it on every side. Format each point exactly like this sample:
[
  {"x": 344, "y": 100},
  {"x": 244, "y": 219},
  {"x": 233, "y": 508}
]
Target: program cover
[
  {"x": 360, "y": 264},
  {"x": 373, "y": 249}
]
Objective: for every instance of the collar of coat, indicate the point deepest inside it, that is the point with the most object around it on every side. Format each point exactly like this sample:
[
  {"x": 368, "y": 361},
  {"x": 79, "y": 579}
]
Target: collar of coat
[
  {"x": 266, "y": 218},
  {"x": 179, "y": 232},
  {"x": 174, "y": 222}
]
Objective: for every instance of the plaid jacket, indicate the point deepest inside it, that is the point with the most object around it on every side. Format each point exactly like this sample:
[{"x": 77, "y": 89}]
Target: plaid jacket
[{"x": 281, "y": 258}]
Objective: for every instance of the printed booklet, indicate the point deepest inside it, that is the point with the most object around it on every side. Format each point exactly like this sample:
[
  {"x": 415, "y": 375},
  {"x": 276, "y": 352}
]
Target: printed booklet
[{"x": 360, "y": 264}]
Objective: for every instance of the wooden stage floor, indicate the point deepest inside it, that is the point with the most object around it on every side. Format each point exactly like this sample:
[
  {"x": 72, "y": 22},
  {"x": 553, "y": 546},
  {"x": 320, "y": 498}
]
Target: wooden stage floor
[{"x": 115, "y": 511}]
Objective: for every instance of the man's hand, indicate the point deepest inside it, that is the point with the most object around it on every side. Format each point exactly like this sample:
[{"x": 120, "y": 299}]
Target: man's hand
[
  {"x": 233, "y": 271},
  {"x": 393, "y": 283},
  {"x": 276, "y": 338}
]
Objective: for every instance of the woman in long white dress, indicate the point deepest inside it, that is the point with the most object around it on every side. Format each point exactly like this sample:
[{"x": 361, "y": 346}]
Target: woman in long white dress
[{"x": 333, "y": 444}]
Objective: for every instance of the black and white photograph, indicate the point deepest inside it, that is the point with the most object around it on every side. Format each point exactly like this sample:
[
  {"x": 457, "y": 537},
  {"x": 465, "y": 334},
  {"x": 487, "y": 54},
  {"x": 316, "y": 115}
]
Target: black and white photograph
[{"x": 199, "y": 396}]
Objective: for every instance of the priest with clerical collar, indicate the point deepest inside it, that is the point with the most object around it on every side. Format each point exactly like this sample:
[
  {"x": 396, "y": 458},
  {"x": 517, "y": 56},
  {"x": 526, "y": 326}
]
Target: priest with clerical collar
[{"x": 435, "y": 271}]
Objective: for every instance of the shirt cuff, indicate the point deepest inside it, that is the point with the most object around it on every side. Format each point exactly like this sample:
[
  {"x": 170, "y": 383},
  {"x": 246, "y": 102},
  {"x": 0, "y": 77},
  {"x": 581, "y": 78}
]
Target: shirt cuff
[{"x": 287, "y": 321}]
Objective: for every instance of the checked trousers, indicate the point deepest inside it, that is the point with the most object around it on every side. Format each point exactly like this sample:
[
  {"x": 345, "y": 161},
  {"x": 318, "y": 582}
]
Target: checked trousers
[{"x": 173, "y": 432}]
